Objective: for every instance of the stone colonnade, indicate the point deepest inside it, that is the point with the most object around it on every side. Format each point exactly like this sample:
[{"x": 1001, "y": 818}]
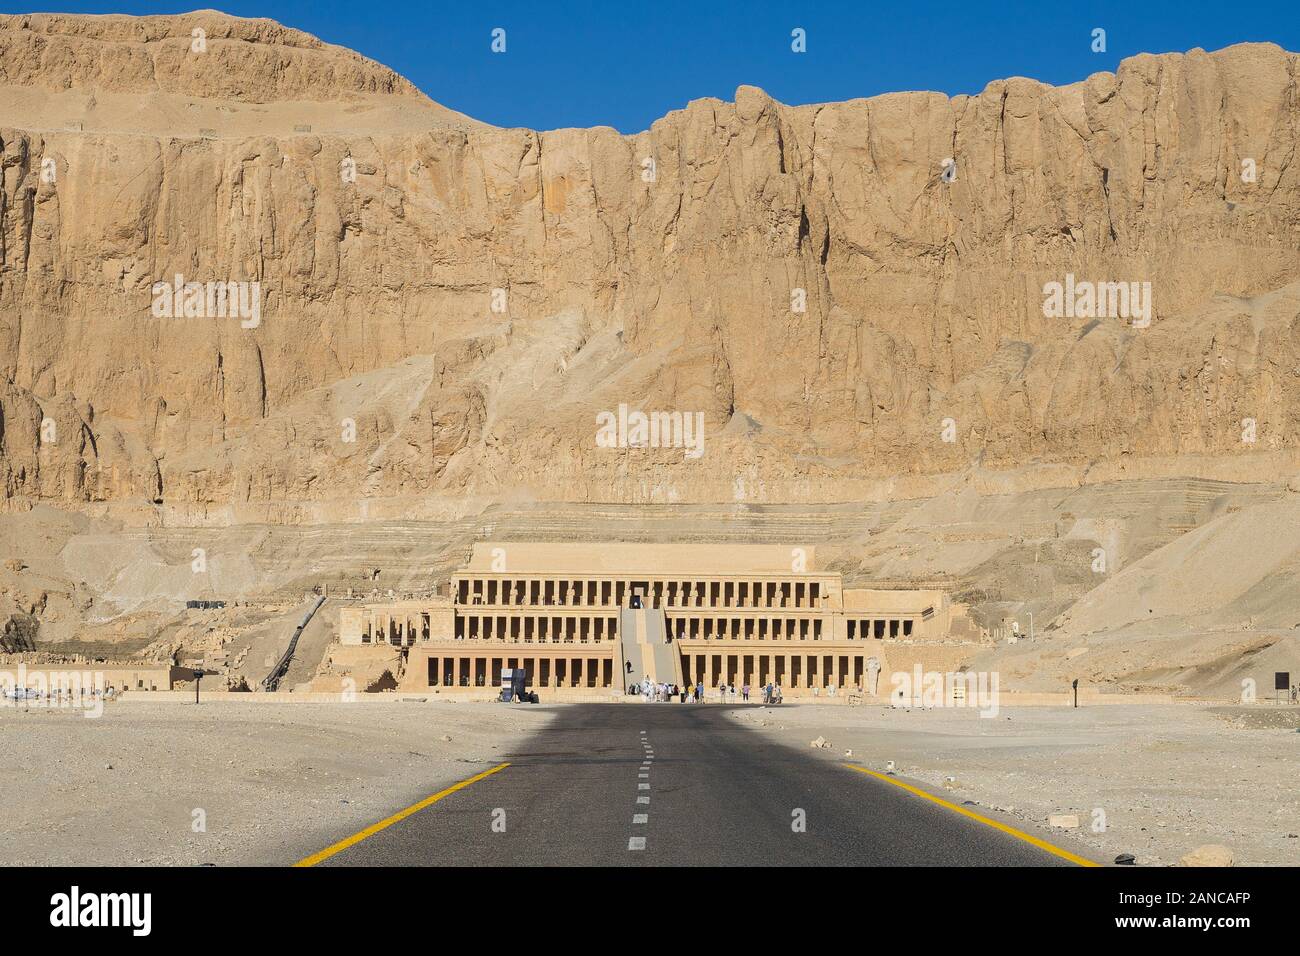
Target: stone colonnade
[
  {"x": 457, "y": 667},
  {"x": 793, "y": 592},
  {"x": 827, "y": 667}
]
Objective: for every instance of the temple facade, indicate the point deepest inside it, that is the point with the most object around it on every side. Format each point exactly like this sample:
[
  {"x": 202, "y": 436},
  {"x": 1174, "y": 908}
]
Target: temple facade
[{"x": 601, "y": 616}]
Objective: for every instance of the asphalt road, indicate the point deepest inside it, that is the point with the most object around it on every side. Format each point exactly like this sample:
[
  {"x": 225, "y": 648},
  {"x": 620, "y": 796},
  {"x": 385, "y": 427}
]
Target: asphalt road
[{"x": 681, "y": 785}]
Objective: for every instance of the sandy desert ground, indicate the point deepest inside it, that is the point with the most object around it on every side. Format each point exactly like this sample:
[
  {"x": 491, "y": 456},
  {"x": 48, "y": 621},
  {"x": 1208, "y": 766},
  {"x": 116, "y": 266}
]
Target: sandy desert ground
[
  {"x": 273, "y": 779},
  {"x": 1169, "y": 778}
]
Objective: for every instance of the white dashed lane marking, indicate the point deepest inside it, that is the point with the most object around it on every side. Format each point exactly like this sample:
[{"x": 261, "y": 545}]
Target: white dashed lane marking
[{"x": 643, "y": 773}]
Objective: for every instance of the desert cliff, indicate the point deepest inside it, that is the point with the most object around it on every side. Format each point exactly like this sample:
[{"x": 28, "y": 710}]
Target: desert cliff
[
  {"x": 970, "y": 340},
  {"x": 445, "y": 307}
]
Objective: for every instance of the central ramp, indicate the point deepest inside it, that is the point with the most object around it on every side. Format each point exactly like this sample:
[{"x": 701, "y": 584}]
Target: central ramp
[{"x": 643, "y": 637}]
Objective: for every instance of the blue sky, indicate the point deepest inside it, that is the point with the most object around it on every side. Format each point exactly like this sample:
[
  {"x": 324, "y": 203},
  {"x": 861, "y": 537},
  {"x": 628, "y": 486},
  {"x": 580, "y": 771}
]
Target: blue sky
[{"x": 624, "y": 64}]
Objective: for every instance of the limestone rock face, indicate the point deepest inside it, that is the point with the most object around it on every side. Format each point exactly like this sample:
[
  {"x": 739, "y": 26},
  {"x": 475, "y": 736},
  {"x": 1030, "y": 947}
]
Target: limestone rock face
[
  {"x": 849, "y": 296},
  {"x": 255, "y": 61}
]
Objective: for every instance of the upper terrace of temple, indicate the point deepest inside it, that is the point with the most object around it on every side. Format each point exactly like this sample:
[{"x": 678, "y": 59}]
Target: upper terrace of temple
[
  {"x": 668, "y": 576},
  {"x": 620, "y": 558}
]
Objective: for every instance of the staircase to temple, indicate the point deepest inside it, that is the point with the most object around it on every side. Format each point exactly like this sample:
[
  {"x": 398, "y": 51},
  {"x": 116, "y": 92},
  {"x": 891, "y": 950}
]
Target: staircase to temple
[{"x": 643, "y": 641}]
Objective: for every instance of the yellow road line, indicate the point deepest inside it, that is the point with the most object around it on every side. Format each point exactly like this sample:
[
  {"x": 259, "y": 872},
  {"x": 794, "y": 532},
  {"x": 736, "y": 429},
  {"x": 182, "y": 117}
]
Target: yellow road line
[
  {"x": 401, "y": 815},
  {"x": 1018, "y": 834}
]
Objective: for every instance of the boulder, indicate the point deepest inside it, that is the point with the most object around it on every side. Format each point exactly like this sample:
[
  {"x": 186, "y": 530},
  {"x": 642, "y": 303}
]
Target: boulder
[{"x": 1211, "y": 854}]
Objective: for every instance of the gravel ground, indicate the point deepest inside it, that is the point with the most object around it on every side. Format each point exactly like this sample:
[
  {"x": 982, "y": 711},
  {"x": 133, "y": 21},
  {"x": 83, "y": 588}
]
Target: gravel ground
[
  {"x": 269, "y": 781},
  {"x": 274, "y": 781},
  {"x": 1168, "y": 778}
]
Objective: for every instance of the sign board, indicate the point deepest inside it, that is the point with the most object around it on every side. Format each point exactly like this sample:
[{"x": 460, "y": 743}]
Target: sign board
[{"x": 1281, "y": 680}]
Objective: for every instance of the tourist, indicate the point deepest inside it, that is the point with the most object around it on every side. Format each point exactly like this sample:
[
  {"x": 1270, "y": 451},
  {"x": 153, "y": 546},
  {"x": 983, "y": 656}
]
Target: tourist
[{"x": 744, "y": 692}]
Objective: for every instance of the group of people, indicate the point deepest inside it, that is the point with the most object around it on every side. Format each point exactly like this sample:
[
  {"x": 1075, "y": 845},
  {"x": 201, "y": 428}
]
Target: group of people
[{"x": 653, "y": 691}]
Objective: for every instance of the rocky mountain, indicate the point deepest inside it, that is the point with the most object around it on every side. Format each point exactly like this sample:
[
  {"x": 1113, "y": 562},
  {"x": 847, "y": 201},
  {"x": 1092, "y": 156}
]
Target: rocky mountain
[{"x": 853, "y": 299}]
